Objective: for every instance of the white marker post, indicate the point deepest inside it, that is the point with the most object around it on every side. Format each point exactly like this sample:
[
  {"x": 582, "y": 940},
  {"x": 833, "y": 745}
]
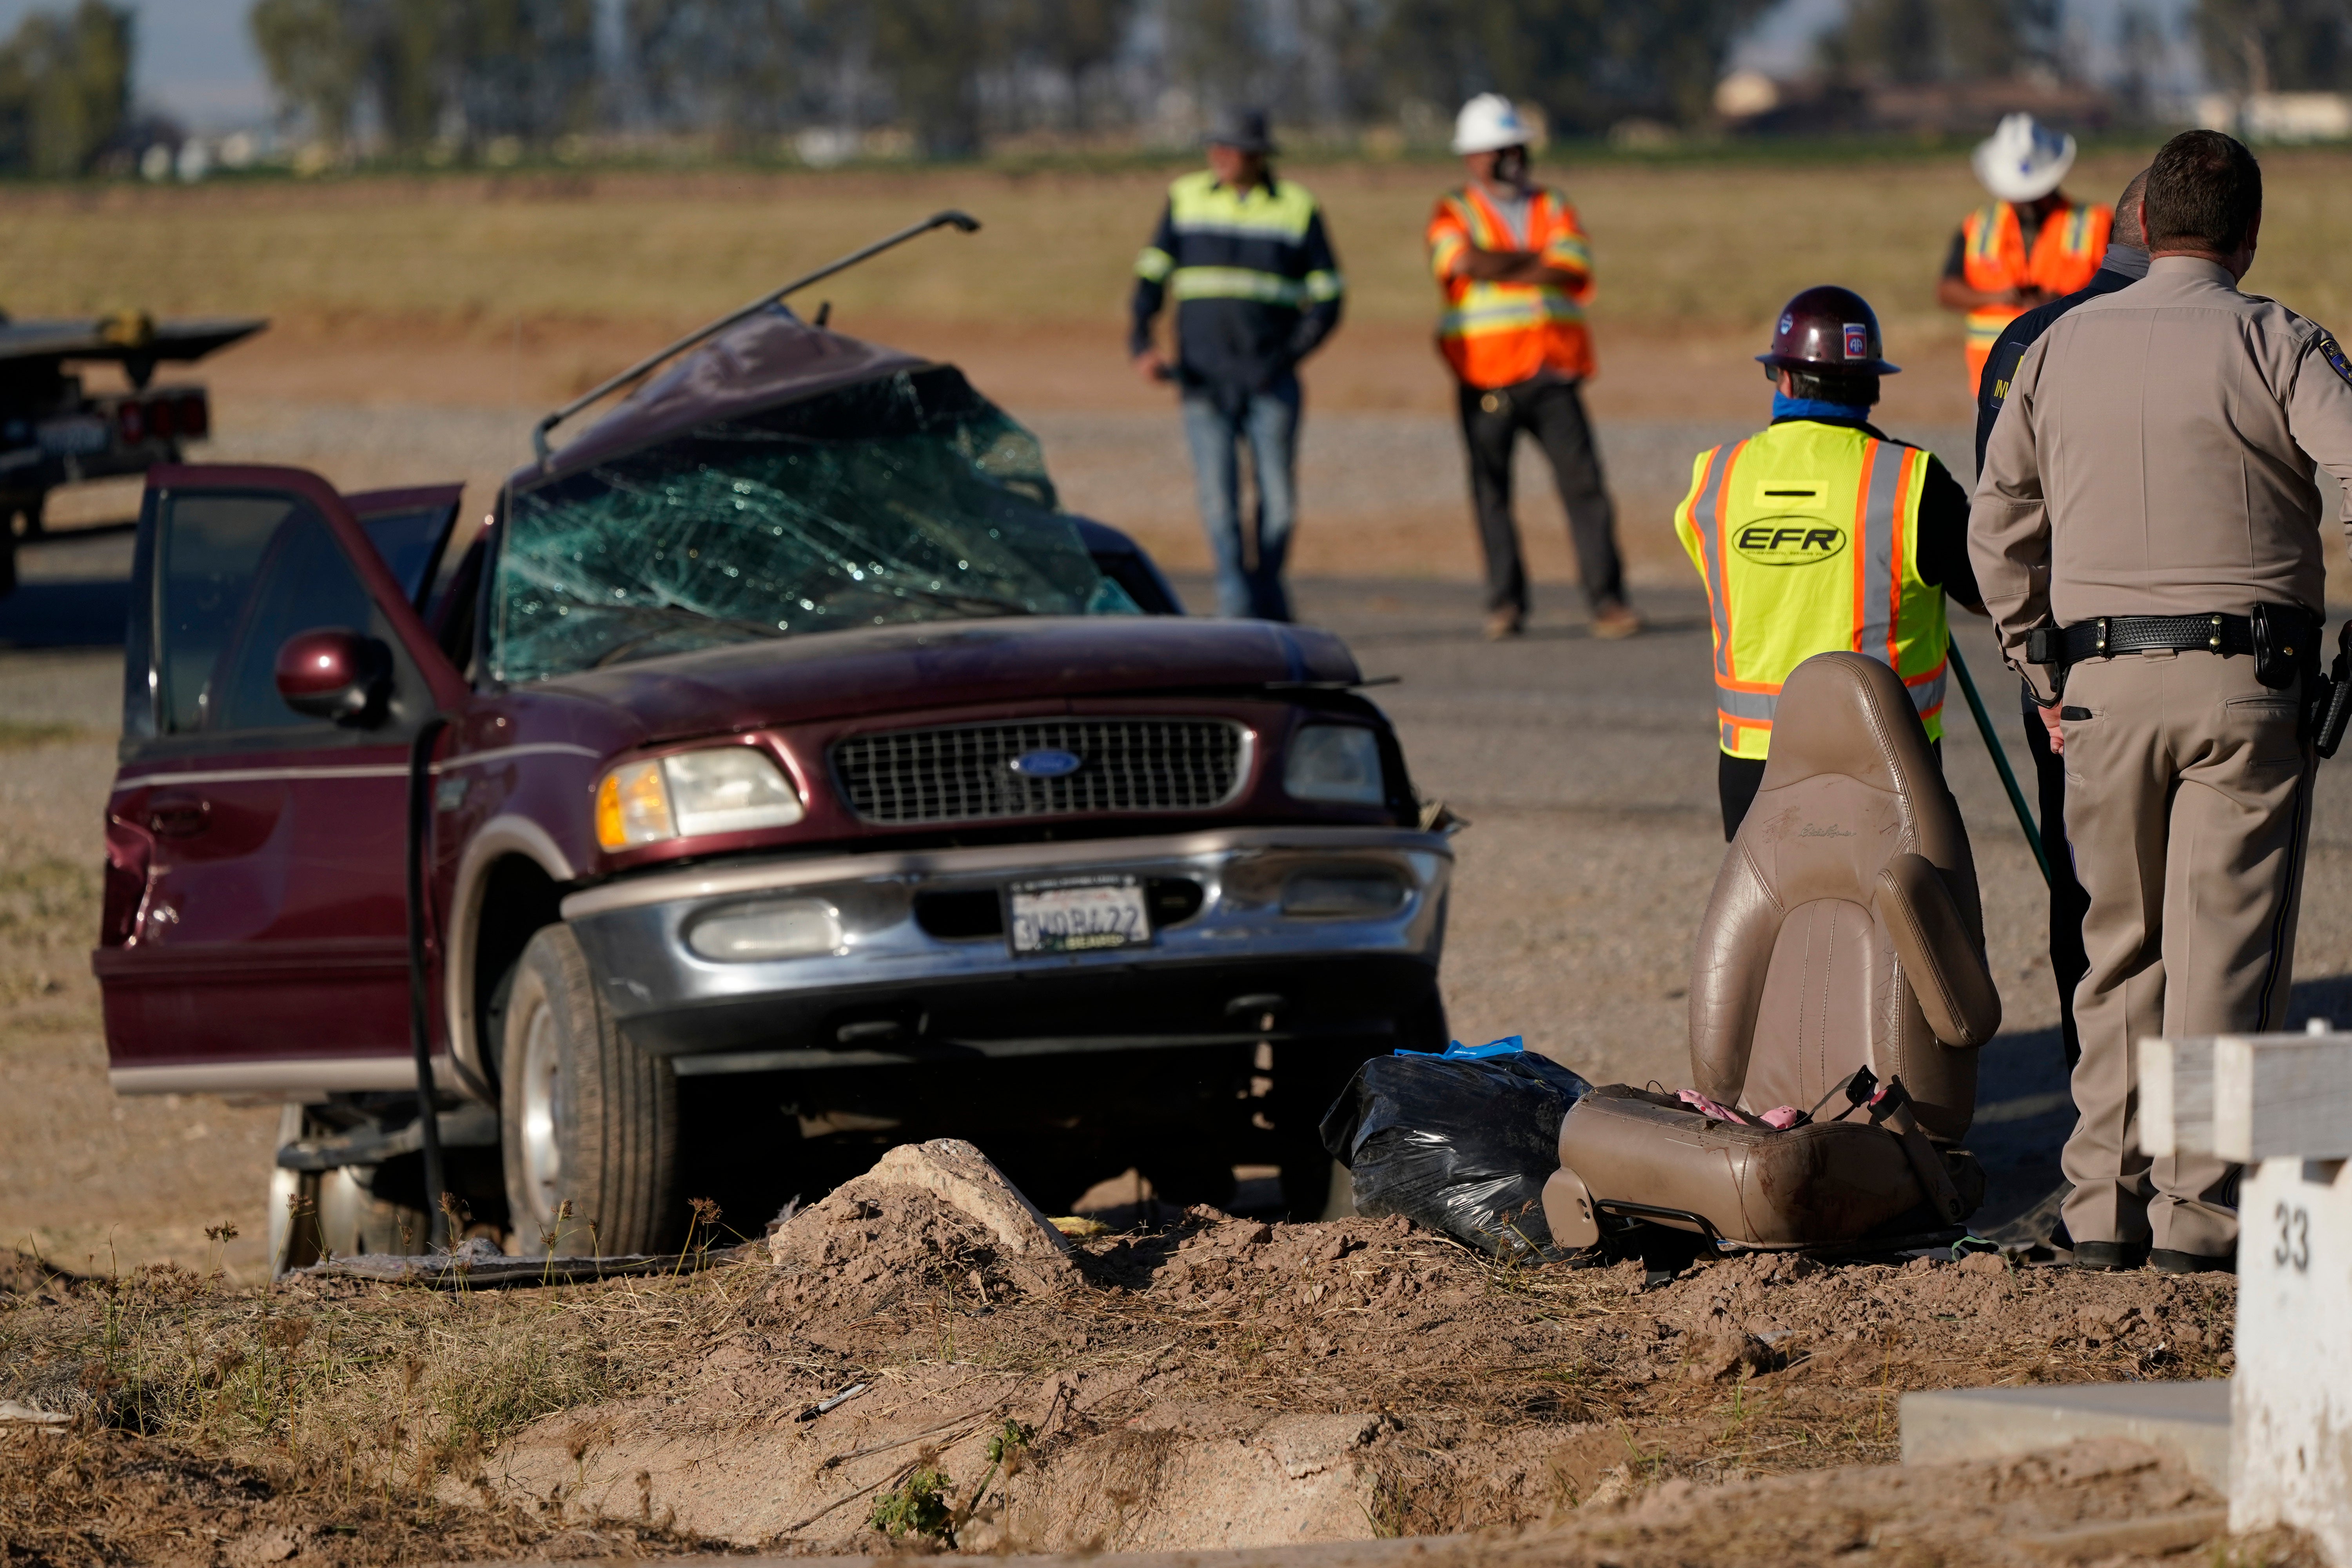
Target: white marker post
[{"x": 2282, "y": 1106}]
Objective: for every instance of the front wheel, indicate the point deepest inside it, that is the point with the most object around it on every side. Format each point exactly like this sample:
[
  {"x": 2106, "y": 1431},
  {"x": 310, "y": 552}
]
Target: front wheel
[
  {"x": 586, "y": 1119},
  {"x": 1307, "y": 1079},
  {"x": 1308, "y": 1076}
]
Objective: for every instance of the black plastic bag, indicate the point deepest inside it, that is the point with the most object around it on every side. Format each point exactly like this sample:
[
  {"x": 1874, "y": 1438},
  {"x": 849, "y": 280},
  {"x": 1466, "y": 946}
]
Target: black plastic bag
[{"x": 1461, "y": 1142}]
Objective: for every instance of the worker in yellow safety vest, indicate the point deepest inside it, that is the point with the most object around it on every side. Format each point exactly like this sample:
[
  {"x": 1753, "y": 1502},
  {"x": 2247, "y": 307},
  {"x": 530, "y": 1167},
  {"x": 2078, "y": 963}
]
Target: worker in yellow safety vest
[
  {"x": 1820, "y": 533},
  {"x": 2031, "y": 245},
  {"x": 1244, "y": 256}
]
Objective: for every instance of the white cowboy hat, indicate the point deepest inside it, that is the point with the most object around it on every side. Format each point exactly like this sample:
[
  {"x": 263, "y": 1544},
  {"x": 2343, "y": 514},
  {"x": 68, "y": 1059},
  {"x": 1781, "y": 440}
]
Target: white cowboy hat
[
  {"x": 2023, "y": 159},
  {"x": 1488, "y": 123}
]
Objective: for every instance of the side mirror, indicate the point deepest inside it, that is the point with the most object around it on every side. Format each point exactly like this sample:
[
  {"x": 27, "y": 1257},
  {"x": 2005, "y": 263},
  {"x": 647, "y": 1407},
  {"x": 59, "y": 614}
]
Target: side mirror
[{"x": 331, "y": 672}]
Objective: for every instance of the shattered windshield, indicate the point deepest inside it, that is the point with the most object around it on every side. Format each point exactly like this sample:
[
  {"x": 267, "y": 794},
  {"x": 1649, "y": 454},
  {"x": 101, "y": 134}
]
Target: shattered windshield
[{"x": 910, "y": 497}]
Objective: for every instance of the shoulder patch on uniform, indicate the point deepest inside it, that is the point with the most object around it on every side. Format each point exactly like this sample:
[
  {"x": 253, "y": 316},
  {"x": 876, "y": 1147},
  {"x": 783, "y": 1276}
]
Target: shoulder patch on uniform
[{"x": 2333, "y": 352}]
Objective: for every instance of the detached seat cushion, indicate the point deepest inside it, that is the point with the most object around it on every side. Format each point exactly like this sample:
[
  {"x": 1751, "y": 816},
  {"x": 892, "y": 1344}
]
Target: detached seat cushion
[
  {"x": 1844, "y": 928},
  {"x": 1844, "y": 932},
  {"x": 1632, "y": 1154}
]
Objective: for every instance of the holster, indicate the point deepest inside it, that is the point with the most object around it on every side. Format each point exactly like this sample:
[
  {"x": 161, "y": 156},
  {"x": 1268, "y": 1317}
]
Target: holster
[
  {"x": 2286, "y": 645},
  {"x": 2046, "y": 645},
  {"x": 2331, "y": 699}
]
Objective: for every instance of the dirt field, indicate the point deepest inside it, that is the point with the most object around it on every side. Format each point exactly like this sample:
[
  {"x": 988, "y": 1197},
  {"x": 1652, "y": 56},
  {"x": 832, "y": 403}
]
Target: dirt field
[
  {"x": 1218, "y": 1383},
  {"x": 673, "y": 249}
]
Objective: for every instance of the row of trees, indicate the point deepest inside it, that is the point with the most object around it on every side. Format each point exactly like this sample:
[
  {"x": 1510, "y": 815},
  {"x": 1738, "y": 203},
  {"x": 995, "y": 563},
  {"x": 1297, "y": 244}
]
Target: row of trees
[
  {"x": 414, "y": 75},
  {"x": 955, "y": 72},
  {"x": 2277, "y": 45},
  {"x": 958, "y": 72},
  {"x": 2247, "y": 46},
  {"x": 65, "y": 89},
  {"x": 413, "y": 69},
  {"x": 1913, "y": 41}
]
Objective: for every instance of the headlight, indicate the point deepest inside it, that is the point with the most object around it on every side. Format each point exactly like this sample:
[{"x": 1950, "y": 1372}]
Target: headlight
[
  {"x": 1343, "y": 894},
  {"x": 789, "y": 928},
  {"x": 727, "y": 789},
  {"x": 1336, "y": 762}
]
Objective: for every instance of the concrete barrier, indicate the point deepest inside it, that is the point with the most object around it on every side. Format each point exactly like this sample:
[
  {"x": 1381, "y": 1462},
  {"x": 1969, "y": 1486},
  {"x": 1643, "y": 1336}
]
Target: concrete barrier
[
  {"x": 2282, "y": 1106},
  {"x": 2190, "y": 1420}
]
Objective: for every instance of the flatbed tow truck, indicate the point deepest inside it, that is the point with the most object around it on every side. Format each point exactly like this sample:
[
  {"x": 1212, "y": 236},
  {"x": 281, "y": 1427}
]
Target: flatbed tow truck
[{"x": 54, "y": 432}]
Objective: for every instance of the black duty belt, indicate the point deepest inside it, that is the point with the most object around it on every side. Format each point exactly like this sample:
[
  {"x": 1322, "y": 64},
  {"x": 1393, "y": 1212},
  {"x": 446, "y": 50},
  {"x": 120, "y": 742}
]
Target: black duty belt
[
  {"x": 2112, "y": 635},
  {"x": 2283, "y": 639}
]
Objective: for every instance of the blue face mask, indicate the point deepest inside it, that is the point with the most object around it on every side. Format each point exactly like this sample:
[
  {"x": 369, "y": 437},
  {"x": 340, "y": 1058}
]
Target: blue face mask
[{"x": 1787, "y": 407}]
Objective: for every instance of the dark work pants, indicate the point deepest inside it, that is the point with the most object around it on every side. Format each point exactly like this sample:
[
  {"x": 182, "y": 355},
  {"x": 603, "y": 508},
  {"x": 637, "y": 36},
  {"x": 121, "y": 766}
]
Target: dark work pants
[
  {"x": 1737, "y": 780},
  {"x": 1553, "y": 413},
  {"x": 2068, "y": 902}
]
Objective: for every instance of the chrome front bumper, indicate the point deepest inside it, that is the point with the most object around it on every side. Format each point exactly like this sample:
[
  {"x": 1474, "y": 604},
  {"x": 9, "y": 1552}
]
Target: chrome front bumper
[{"x": 892, "y": 992}]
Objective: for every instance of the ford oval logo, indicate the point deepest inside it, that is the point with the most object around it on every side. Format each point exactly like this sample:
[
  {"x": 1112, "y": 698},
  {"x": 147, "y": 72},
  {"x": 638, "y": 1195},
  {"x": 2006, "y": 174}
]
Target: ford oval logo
[{"x": 1047, "y": 763}]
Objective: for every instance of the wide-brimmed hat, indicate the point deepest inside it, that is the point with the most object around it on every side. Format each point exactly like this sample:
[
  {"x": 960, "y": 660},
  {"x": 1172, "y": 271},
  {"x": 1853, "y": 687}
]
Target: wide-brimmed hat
[
  {"x": 2023, "y": 159},
  {"x": 1244, "y": 130}
]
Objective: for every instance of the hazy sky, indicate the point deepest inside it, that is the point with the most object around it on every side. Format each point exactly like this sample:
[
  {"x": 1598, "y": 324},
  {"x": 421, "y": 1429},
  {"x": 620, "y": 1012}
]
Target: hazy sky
[{"x": 196, "y": 63}]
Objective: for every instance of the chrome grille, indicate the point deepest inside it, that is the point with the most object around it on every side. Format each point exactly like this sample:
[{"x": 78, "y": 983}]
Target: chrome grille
[{"x": 965, "y": 774}]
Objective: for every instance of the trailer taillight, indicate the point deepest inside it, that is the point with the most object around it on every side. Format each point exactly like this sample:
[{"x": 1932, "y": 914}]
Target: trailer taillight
[
  {"x": 195, "y": 417},
  {"x": 163, "y": 422},
  {"x": 131, "y": 419}
]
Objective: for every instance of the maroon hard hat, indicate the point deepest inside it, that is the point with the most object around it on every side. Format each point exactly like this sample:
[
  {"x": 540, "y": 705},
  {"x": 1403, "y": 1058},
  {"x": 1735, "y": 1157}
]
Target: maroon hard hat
[{"x": 1827, "y": 330}]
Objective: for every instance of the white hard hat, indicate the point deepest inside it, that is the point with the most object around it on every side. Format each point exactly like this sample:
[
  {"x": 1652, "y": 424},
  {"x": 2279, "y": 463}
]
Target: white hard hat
[
  {"x": 2023, "y": 159},
  {"x": 1486, "y": 123}
]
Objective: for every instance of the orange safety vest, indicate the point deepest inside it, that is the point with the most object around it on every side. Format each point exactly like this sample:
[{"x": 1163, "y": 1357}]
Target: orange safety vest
[
  {"x": 1499, "y": 334},
  {"x": 1993, "y": 258}
]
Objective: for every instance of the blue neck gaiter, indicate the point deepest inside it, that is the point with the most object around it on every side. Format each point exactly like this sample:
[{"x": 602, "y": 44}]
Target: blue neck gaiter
[{"x": 1787, "y": 407}]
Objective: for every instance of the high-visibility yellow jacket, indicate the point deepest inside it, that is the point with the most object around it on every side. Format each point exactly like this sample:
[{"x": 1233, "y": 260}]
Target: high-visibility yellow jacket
[
  {"x": 1807, "y": 536},
  {"x": 1252, "y": 275},
  {"x": 1993, "y": 258},
  {"x": 1500, "y": 334}
]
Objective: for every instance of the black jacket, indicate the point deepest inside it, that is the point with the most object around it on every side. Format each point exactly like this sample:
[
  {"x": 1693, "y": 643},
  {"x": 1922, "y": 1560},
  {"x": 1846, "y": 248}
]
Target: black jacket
[
  {"x": 2019, "y": 336},
  {"x": 1256, "y": 285}
]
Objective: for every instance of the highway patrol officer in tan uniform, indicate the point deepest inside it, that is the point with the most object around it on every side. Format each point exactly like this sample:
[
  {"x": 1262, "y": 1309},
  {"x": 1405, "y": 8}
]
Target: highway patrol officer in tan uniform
[{"x": 2147, "y": 534}]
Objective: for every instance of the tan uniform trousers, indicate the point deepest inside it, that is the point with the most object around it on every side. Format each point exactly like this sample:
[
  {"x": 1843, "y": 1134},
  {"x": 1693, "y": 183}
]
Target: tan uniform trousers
[{"x": 2187, "y": 800}]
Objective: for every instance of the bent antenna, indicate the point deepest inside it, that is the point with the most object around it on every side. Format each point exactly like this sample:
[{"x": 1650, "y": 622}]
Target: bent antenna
[{"x": 963, "y": 222}]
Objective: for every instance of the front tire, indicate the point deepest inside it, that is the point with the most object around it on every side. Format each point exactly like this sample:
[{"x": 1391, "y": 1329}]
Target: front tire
[
  {"x": 1307, "y": 1079},
  {"x": 585, "y": 1117}
]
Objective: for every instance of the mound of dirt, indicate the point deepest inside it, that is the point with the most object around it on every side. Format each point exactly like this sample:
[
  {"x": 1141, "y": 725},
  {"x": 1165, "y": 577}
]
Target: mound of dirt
[
  {"x": 1230, "y": 1383},
  {"x": 928, "y": 1218}
]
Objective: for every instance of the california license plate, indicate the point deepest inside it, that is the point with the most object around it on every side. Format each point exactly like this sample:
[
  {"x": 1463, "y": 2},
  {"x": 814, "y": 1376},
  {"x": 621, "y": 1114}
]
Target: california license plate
[{"x": 1078, "y": 915}]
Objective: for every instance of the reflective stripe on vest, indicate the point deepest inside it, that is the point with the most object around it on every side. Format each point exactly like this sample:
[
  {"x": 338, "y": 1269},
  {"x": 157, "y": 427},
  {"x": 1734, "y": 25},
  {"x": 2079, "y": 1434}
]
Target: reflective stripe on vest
[
  {"x": 1762, "y": 519},
  {"x": 1238, "y": 245},
  {"x": 1498, "y": 334},
  {"x": 1993, "y": 258}
]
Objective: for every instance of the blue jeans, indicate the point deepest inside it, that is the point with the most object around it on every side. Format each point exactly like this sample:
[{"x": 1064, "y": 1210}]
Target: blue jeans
[{"x": 1268, "y": 422}]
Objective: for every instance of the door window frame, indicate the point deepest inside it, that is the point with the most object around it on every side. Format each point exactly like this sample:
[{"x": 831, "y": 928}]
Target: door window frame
[{"x": 444, "y": 688}]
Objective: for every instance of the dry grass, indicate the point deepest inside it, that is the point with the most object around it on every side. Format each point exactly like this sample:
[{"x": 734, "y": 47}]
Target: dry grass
[
  {"x": 390, "y": 1388},
  {"x": 1682, "y": 245},
  {"x": 215, "y": 1418}
]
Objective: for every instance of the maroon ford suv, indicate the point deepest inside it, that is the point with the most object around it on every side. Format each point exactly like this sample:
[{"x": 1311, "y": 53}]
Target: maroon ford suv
[{"x": 783, "y": 775}]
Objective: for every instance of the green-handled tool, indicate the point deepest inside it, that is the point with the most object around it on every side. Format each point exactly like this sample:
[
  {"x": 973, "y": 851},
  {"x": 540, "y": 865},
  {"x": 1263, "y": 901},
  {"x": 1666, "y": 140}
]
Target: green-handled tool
[{"x": 2000, "y": 757}]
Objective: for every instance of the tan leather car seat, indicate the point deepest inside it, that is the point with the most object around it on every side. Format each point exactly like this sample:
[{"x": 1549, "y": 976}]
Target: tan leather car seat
[{"x": 1843, "y": 931}]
